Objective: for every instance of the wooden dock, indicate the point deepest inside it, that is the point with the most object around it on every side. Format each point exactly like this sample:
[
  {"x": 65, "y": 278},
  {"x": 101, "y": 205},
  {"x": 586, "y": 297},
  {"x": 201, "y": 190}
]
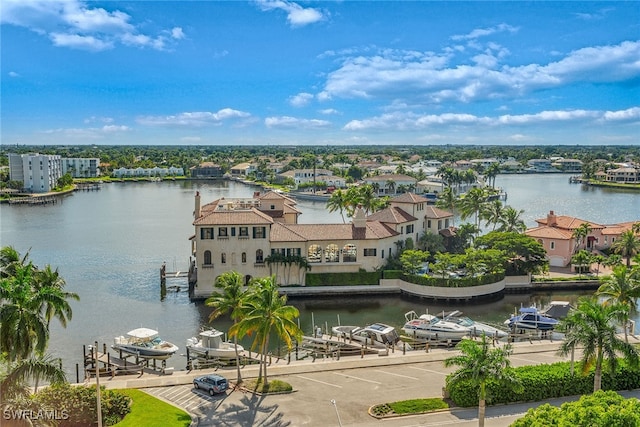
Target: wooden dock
[{"x": 105, "y": 364}]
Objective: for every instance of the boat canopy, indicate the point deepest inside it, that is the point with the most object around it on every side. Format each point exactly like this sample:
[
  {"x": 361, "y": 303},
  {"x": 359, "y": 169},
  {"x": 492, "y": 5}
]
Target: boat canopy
[{"x": 142, "y": 333}]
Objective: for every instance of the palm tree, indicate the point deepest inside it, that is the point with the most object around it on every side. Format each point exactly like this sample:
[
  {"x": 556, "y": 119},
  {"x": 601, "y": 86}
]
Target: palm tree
[
  {"x": 492, "y": 171},
  {"x": 231, "y": 301},
  {"x": 391, "y": 186},
  {"x": 447, "y": 200},
  {"x": 337, "y": 202},
  {"x": 580, "y": 234},
  {"x": 492, "y": 212},
  {"x": 480, "y": 363},
  {"x": 582, "y": 260},
  {"x": 13, "y": 380},
  {"x": 56, "y": 305},
  {"x": 472, "y": 204},
  {"x": 627, "y": 245},
  {"x": 267, "y": 310},
  {"x": 9, "y": 259},
  {"x": 591, "y": 326},
  {"x": 621, "y": 287},
  {"x": 511, "y": 221}
]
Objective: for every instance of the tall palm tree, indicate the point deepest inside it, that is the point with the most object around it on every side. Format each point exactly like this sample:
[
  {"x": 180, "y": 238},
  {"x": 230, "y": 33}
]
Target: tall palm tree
[
  {"x": 492, "y": 212},
  {"x": 391, "y": 186},
  {"x": 448, "y": 200},
  {"x": 511, "y": 220},
  {"x": 580, "y": 234},
  {"x": 492, "y": 171},
  {"x": 627, "y": 245},
  {"x": 337, "y": 202},
  {"x": 56, "y": 305},
  {"x": 266, "y": 311},
  {"x": 480, "y": 363},
  {"x": 9, "y": 260},
  {"x": 231, "y": 301},
  {"x": 472, "y": 203},
  {"x": 621, "y": 287},
  {"x": 15, "y": 376},
  {"x": 591, "y": 326}
]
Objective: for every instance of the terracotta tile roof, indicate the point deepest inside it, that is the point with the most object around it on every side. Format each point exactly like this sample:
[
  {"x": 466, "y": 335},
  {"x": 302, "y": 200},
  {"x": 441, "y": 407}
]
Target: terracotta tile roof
[
  {"x": 318, "y": 232},
  {"x": 616, "y": 229},
  {"x": 392, "y": 177},
  {"x": 545, "y": 232},
  {"x": 433, "y": 212},
  {"x": 391, "y": 215},
  {"x": 234, "y": 217},
  {"x": 409, "y": 198},
  {"x": 569, "y": 222}
]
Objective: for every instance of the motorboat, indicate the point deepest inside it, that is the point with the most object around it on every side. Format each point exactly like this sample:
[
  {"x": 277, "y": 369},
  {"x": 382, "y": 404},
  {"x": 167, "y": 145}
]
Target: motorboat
[
  {"x": 530, "y": 318},
  {"x": 475, "y": 328},
  {"x": 557, "y": 309},
  {"x": 210, "y": 344},
  {"x": 429, "y": 327},
  {"x": 377, "y": 335},
  {"x": 144, "y": 342}
]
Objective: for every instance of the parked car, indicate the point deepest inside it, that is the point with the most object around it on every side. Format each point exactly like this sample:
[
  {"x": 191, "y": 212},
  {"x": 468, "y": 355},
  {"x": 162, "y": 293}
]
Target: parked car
[{"x": 211, "y": 383}]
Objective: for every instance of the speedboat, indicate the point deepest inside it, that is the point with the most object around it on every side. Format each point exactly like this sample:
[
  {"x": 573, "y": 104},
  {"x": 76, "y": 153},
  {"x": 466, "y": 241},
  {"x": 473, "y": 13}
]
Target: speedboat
[
  {"x": 557, "y": 309},
  {"x": 376, "y": 335},
  {"x": 530, "y": 318},
  {"x": 475, "y": 328},
  {"x": 210, "y": 344},
  {"x": 429, "y": 327},
  {"x": 144, "y": 342}
]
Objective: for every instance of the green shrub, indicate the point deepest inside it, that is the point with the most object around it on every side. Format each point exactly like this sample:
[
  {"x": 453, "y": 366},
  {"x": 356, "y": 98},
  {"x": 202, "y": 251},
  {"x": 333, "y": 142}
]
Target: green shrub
[
  {"x": 345, "y": 279},
  {"x": 79, "y": 404}
]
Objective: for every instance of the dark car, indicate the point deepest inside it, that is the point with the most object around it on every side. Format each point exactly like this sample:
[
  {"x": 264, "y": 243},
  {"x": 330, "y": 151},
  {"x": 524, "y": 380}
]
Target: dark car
[{"x": 211, "y": 383}]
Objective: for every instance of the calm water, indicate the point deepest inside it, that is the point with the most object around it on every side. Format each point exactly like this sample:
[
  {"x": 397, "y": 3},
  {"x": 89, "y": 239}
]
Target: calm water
[{"x": 109, "y": 246}]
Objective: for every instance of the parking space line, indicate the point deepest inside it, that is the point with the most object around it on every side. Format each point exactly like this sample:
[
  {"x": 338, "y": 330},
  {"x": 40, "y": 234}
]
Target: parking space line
[
  {"x": 357, "y": 378},
  {"x": 318, "y": 381},
  {"x": 396, "y": 375},
  {"x": 429, "y": 370}
]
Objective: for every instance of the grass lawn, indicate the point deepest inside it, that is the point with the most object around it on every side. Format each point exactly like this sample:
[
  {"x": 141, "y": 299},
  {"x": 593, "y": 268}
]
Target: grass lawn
[{"x": 146, "y": 410}]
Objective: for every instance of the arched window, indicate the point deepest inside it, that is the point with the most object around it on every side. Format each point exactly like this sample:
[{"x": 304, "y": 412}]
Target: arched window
[
  {"x": 259, "y": 256},
  {"x": 349, "y": 253},
  {"x": 314, "y": 254},
  {"x": 332, "y": 253},
  {"x": 207, "y": 258},
  {"x": 244, "y": 257},
  {"x": 223, "y": 258}
]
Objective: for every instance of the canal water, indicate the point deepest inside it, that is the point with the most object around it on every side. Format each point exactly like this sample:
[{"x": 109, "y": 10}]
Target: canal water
[{"x": 109, "y": 245}]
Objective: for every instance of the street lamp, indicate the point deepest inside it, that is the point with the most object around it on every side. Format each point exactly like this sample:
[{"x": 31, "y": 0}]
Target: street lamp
[{"x": 333, "y": 402}]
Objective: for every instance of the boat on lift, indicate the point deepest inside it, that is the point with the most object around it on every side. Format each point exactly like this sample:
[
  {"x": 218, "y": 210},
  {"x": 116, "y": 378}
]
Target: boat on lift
[
  {"x": 475, "y": 328},
  {"x": 531, "y": 319},
  {"x": 377, "y": 335},
  {"x": 210, "y": 344},
  {"x": 429, "y": 327},
  {"x": 144, "y": 342}
]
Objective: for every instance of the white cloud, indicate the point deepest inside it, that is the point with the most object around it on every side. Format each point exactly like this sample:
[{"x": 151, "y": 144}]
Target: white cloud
[
  {"x": 196, "y": 118},
  {"x": 286, "y": 122},
  {"x": 300, "y": 100},
  {"x": 88, "y": 133},
  {"x": 483, "y": 32},
  {"x": 13, "y": 74},
  {"x": 190, "y": 139},
  {"x": 297, "y": 16},
  {"x": 409, "y": 121},
  {"x": 76, "y": 24},
  {"x": 329, "y": 111}
]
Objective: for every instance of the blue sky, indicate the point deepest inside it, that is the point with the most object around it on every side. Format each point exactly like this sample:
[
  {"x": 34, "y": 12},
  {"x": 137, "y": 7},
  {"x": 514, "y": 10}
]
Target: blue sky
[{"x": 320, "y": 73}]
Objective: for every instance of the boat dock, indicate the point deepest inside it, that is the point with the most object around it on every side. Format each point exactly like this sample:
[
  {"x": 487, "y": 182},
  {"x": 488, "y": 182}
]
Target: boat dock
[
  {"x": 104, "y": 364},
  {"x": 33, "y": 200}
]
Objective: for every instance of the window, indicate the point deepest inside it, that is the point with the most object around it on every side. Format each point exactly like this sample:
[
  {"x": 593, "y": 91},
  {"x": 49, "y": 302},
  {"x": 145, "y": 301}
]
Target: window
[
  {"x": 383, "y": 253},
  {"x": 409, "y": 229},
  {"x": 259, "y": 232},
  {"x": 349, "y": 253},
  {"x": 207, "y": 258},
  {"x": 552, "y": 245},
  {"x": 314, "y": 254},
  {"x": 244, "y": 232},
  {"x": 222, "y": 232},
  {"x": 439, "y": 224},
  {"x": 206, "y": 233},
  {"x": 370, "y": 252},
  {"x": 259, "y": 256},
  {"x": 428, "y": 223},
  {"x": 244, "y": 257},
  {"x": 233, "y": 231},
  {"x": 332, "y": 253}
]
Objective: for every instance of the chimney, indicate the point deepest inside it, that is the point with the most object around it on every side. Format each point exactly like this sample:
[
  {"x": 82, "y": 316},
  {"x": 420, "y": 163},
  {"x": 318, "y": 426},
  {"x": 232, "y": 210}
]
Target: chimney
[
  {"x": 197, "y": 213},
  {"x": 359, "y": 220},
  {"x": 552, "y": 220}
]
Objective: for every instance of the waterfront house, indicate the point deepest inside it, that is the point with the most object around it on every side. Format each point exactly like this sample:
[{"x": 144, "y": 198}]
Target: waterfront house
[
  {"x": 556, "y": 234},
  {"x": 391, "y": 183},
  {"x": 243, "y": 235},
  {"x": 628, "y": 175},
  {"x": 39, "y": 173},
  {"x": 568, "y": 165},
  {"x": 242, "y": 169},
  {"x": 207, "y": 170},
  {"x": 307, "y": 176}
]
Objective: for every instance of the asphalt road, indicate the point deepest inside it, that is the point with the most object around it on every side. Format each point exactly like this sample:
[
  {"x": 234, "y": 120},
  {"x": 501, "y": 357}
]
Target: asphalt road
[{"x": 342, "y": 396}]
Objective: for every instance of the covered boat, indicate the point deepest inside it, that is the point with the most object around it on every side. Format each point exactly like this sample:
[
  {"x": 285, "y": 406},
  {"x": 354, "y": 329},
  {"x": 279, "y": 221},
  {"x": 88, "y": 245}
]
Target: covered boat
[
  {"x": 210, "y": 344},
  {"x": 144, "y": 342},
  {"x": 429, "y": 327},
  {"x": 530, "y": 318},
  {"x": 375, "y": 335}
]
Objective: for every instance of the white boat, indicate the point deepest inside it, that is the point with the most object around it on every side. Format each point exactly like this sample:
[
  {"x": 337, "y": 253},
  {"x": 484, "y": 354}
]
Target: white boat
[
  {"x": 475, "y": 328},
  {"x": 429, "y": 327},
  {"x": 530, "y": 319},
  {"x": 210, "y": 344},
  {"x": 144, "y": 342},
  {"x": 377, "y": 335}
]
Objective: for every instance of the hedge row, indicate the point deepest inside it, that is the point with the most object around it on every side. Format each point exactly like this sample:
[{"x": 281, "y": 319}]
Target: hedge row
[
  {"x": 461, "y": 282},
  {"x": 344, "y": 279},
  {"x": 542, "y": 382}
]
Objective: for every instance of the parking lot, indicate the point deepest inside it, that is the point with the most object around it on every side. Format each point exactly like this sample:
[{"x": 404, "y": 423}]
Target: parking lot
[{"x": 326, "y": 398}]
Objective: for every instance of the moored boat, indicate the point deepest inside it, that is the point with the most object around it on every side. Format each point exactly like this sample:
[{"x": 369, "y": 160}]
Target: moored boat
[
  {"x": 475, "y": 328},
  {"x": 210, "y": 344},
  {"x": 376, "y": 335},
  {"x": 144, "y": 342},
  {"x": 531, "y": 319},
  {"x": 429, "y": 327}
]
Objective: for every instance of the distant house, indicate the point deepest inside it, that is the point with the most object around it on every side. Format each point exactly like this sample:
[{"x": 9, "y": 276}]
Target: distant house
[
  {"x": 391, "y": 183},
  {"x": 305, "y": 176},
  {"x": 626, "y": 175},
  {"x": 540, "y": 165},
  {"x": 207, "y": 170},
  {"x": 568, "y": 165},
  {"x": 242, "y": 169}
]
